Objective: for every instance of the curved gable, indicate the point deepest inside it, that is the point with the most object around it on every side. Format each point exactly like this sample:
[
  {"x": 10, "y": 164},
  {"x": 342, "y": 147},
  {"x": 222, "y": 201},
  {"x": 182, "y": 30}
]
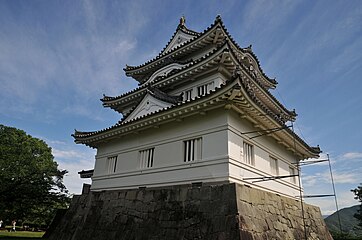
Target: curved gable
[
  {"x": 164, "y": 71},
  {"x": 149, "y": 104}
]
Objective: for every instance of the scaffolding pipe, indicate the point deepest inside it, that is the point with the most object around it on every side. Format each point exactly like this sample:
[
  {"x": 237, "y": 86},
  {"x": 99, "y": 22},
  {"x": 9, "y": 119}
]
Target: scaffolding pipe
[
  {"x": 300, "y": 183},
  {"x": 335, "y": 196}
]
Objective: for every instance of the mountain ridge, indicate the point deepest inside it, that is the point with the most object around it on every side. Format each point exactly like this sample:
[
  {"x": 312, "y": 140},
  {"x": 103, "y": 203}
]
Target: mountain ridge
[{"x": 349, "y": 224}]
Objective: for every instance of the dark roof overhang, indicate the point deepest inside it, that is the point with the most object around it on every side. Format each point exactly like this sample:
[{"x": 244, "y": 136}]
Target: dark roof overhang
[{"x": 235, "y": 94}]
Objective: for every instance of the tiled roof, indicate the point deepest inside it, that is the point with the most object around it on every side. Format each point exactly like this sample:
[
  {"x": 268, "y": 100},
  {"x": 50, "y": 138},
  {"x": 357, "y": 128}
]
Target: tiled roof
[
  {"x": 181, "y": 27},
  {"x": 86, "y": 173},
  {"x": 107, "y": 99},
  {"x": 227, "y": 48},
  {"x": 184, "y": 44},
  {"x": 78, "y": 135},
  {"x": 291, "y": 113},
  {"x": 157, "y": 93},
  {"x": 217, "y": 21}
]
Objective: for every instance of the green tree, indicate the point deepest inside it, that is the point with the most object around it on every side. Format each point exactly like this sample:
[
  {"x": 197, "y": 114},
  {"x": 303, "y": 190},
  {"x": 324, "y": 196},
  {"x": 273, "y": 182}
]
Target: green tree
[
  {"x": 358, "y": 195},
  {"x": 31, "y": 185}
]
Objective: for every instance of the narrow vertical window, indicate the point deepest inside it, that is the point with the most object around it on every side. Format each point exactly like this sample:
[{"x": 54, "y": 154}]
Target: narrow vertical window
[
  {"x": 188, "y": 94},
  {"x": 112, "y": 164},
  {"x": 274, "y": 168},
  {"x": 202, "y": 90},
  {"x": 292, "y": 172},
  {"x": 192, "y": 150},
  {"x": 146, "y": 158},
  {"x": 248, "y": 151}
]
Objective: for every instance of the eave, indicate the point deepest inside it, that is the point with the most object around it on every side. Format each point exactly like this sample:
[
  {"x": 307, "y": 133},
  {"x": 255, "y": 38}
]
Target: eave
[
  {"x": 181, "y": 27},
  {"x": 186, "y": 48},
  {"x": 214, "y": 35},
  {"x": 245, "y": 103},
  {"x": 175, "y": 112},
  {"x": 263, "y": 92},
  {"x": 234, "y": 95},
  {"x": 224, "y": 57},
  {"x": 202, "y": 65},
  {"x": 86, "y": 173}
]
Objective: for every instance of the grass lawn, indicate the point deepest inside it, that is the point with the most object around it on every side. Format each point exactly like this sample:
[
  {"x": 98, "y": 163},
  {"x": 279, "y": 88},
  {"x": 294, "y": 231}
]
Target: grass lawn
[{"x": 20, "y": 235}]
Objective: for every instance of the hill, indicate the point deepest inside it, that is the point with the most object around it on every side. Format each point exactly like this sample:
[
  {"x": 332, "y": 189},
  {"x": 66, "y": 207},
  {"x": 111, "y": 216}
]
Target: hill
[{"x": 348, "y": 222}]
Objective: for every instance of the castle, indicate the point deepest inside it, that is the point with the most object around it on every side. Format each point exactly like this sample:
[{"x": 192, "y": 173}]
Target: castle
[
  {"x": 203, "y": 113},
  {"x": 203, "y": 151}
]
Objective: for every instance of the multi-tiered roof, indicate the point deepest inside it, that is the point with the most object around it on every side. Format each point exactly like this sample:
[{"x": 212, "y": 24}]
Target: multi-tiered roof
[{"x": 187, "y": 57}]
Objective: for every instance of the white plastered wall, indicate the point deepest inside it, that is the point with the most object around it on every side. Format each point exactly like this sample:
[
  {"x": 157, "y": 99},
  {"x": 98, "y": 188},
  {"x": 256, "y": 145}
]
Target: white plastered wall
[
  {"x": 214, "y": 81},
  {"x": 169, "y": 167},
  {"x": 222, "y": 156},
  {"x": 264, "y": 147}
]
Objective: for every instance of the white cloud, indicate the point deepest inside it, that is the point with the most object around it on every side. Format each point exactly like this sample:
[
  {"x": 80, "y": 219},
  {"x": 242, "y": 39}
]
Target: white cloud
[
  {"x": 352, "y": 155},
  {"x": 343, "y": 177},
  {"x": 328, "y": 206},
  {"x": 38, "y": 68},
  {"x": 257, "y": 13},
  {"x": 310, "y": 180},
  {"x": 74, "y": 159},
  {"x": 72, "y": 180},
  {"x": 339, "y": 177},
  {"x": 82, "y": 110},
  {"x": 125, "y": 45},
  {"x": 67, "y": 154}
]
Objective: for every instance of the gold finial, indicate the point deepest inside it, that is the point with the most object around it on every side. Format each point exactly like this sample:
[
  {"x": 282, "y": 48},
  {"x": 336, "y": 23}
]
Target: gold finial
[{"x": 182, "y": 20}]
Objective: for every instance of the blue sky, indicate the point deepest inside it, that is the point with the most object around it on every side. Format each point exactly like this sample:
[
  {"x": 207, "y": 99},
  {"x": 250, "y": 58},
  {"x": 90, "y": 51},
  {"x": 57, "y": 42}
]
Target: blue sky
[{"x": 57, "y": 58}]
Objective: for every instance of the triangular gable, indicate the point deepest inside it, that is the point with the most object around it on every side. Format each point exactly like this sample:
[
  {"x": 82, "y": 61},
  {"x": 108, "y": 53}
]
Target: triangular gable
[
  {"x": 149, "y": 104},
  {"x": 179, "y": 38}
]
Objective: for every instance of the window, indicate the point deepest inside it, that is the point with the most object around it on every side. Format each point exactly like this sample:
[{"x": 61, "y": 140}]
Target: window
[
  {"x": 292, "y": 172},
  {"x": 188, "y": 94},
  {"x": 146, "y": 158},
  {"x": 202, "y": 90},
  {"x": 274, "y": 168},
  {"x": 112, "y": 164},
  {"x": 248, "y": 151},
  {"x": 192, "y": 150}
]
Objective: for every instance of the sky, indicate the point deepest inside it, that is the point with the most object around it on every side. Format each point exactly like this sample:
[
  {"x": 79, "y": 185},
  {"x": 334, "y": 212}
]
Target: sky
[{"x": 58, "y": 58}]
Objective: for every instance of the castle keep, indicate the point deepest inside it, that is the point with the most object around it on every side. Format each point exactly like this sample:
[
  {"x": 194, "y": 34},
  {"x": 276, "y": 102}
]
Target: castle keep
[{"x": 203, "y": 150}]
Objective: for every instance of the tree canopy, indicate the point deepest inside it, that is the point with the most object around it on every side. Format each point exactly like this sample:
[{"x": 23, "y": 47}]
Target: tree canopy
[
  {"x": 358, "y": 195},
  {"x": 31, "y": 185}
]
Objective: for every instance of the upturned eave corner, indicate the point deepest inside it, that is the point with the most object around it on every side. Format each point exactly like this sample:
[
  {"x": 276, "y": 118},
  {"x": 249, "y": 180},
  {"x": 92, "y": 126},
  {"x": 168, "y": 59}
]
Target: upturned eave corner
[
  {"x": 234, "y": 89},
  {"x": 139, "y": 72},
  {"x": 130, "y": 70}
]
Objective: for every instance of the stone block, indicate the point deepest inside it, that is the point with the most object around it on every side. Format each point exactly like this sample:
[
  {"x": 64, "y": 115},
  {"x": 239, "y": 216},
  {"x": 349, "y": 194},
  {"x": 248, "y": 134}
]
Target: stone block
[
  {"x": 131, "y": 195},
  {"x": 228, "y": 211}
]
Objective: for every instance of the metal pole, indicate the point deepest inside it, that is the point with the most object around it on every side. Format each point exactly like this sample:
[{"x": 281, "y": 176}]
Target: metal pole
[
  {"x": 335, "y": 195},
  {"x": 300, "y": 185}
]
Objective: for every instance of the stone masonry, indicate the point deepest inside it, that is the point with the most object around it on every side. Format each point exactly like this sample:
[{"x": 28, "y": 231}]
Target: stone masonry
[{"x": 225, "y": 211}]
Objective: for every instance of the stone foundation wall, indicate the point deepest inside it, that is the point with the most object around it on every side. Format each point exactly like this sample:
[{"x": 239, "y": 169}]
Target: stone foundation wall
[
  {"x": 265, "y": 215},
  {"x": 228, "y": 211}
]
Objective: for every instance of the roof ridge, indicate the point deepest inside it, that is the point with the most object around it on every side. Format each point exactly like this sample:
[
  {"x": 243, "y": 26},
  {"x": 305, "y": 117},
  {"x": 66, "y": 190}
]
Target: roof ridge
[
  {"x": 162, "y": 54},
  {"x": 120, "y": 122},
  {"x": 247, "y": 49},
  {"x": 203, "y": 58}
]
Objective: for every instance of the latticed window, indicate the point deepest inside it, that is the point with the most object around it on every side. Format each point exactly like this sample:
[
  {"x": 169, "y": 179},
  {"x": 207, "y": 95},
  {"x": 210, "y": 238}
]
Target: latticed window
[
  {"x": 248, "y": 151},
  {"x": 146, "y": 158},
  {"x": 292, "y": 172},
  {"x": 202, "y": 90},
  {"x": 188, "y": 95},
  {"x": 112, "y": 164},
  {"x": 274, "y": 168},
  {"x": 192, "y": 149}
]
